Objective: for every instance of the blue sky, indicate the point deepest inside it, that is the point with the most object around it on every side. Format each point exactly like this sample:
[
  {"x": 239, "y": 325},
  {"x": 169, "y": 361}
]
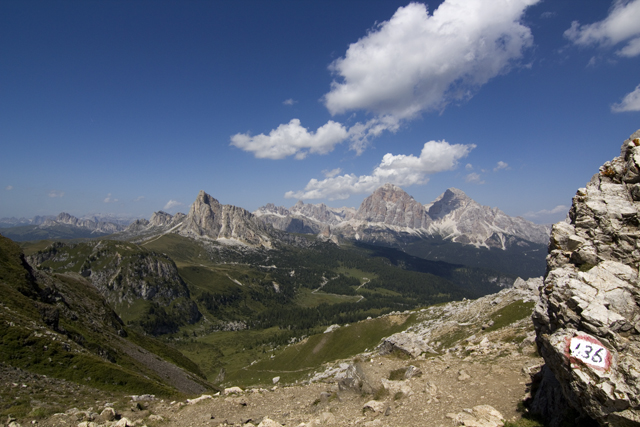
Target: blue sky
[{"x": 133, "y": 107}]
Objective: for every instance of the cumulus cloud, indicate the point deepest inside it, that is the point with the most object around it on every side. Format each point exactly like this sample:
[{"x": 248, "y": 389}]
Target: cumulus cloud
[
  {"x": 419, "y": 62},
  {"x": 289, "y": 101},
  {"x": 292, "y": 139},
  {"x": 110, "y": 199},
  {"x": 501, "y": 165},
  {"x": 54, "y": 194},
  {"x": 171, "y": 204},
  {"x": 620, "y": 26},
  {"x": 9, "y": 187},
  {"x": 402, "y": 170},
  {"x": 412, "y": 63},
  {"x": 560, "y": 209},
  {"x": 474, "y": 178},
  {"x": 631, "y": 102}
]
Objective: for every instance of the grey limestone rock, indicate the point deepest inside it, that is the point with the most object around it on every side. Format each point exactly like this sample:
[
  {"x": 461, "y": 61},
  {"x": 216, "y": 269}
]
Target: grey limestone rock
[
  {"x": 587, "y": 319},
  {"x": 209, "y": 219}
]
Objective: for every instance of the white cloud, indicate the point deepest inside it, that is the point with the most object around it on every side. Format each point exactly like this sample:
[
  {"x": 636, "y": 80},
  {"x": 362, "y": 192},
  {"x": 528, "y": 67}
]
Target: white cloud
[
  {"x": 292, "y": 139},
  {"x": 474, "y": 178},
  {"x": 402, "y": 170},
  {"x": 289, "y": 101},
  {"x": 9, "y": 187},
  {"x": 469, "y": 167},
  {"x": 137, "y": 199},
  {"x": 54, "y": 194},
  {"x": 545, "y": 212},
  {"x": 171, "y": 204},
  {"x": 413, "y": 63},
  {"x": 419, "y": 62},
  {"x": 631, "y": 102},
  {"x": 621, "y": 25},
  {"x": 110, "y": 199},
  {"x": 501, "y": 165},
  {"x": 331, "y": 173}
]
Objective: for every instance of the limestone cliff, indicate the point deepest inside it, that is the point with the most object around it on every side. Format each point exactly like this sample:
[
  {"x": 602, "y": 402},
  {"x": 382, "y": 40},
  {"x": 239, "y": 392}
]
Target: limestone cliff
[
  {"x": 588, "y": 317},
  {"x": 391, "y": 205},
  {"x": 207, "y": 218}
]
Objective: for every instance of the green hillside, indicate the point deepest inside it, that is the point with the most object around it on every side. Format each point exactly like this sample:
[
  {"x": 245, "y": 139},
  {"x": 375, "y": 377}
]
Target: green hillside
[
  {"x": 58, "y": 325},
  {"x": 233, "y": 307}
]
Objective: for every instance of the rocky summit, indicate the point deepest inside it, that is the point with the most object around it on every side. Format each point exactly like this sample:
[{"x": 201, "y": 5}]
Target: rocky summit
[
  {"x": 390, "y": 205},
  {"x": 588, "y": 318},
  {"x": 391, "y": 216},
  {"x": 208, "y": 218}
]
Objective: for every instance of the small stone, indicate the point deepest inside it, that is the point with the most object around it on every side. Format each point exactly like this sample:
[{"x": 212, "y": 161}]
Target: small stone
[
  {"x": 463, "y": 376},
  {"x": 268, "y": 422},
  {"x": 374, "y": 406},
  {"x": 108, "y": 414}
]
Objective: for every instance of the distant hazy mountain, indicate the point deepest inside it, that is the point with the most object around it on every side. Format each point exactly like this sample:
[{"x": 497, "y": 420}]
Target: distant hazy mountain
[
  {"x": 18, "y": 222},
  {"x": 64, "y": 226}
]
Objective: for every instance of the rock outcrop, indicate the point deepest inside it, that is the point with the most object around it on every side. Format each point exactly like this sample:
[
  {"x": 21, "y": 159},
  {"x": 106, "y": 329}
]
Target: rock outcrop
[
  {"x": 588, "y": 317},
  {"x": 124, "y": 273},
  {"x": 209, "y": 219}
]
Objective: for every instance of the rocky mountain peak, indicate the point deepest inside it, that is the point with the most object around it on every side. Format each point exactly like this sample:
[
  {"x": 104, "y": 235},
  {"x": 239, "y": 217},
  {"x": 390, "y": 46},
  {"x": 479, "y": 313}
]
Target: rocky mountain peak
[
  {"x": 210, "y": 219},
  {"x": 66, "y": 218},
  {"x": 271, "y": 209},
  {"x": 391, "y": 205},
  {"x": 160, "y": 218},
  {"x": 449, "y": 201}
]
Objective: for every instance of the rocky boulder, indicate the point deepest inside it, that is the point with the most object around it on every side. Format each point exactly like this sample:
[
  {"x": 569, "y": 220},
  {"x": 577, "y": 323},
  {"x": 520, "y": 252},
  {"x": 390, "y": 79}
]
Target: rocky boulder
[{"x": 587, "y": 319}]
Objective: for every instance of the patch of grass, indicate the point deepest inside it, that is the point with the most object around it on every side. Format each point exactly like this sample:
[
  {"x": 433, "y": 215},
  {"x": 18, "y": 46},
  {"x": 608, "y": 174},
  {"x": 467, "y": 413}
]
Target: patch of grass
[
  {"x": 511, "y": 313},
  {"x": 586, "y": 267},
  {"x": 296, "y": 361},
  {"x": 453, "y": 337},
  {"x": 305, "y": 298},
  {"x": 381, "y": 394},
  {"x": 357, "y": 273},
  {"x": 525, "y": 421},
  {"x": 399, "y": 395},
  {"x": 397, "y": 374}
]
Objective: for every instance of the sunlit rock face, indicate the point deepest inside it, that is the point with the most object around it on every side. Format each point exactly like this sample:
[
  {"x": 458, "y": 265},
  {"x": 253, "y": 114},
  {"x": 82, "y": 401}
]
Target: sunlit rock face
[
  {"x": 588, "y": 317},
  {"x": 208, "y": 218}
]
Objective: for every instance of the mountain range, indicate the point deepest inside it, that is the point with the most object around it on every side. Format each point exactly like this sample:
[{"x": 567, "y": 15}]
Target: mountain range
[
  {"x": 453, "y": 228},
  {"x": 391, "y": 215}
]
